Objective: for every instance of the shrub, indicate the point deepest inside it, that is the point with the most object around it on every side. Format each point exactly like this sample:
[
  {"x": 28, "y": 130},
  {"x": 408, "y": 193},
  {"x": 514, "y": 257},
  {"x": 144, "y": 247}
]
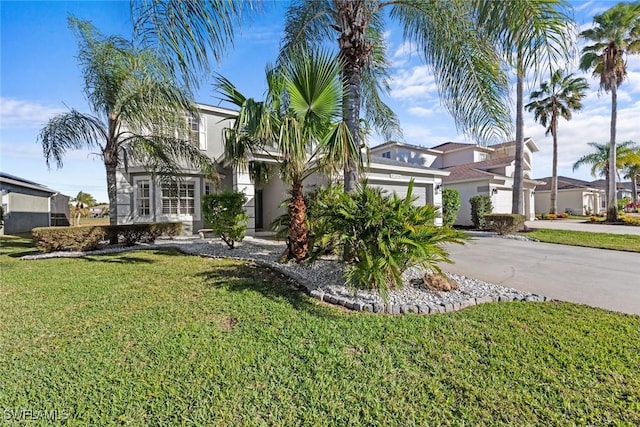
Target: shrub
[
  {"x": 450, "y": 206},
  {"x": 622, "y": 203},
  {"x": 480, "y": 206},
  {"x": 505, "y": 223},
  {"x": 130, "y": 234},
  {"x": 378, "y": 236},
  {"x": 49, "y": 239},
  {"x": 224, "y": 213},
  {"x": 86, "y": 238}
]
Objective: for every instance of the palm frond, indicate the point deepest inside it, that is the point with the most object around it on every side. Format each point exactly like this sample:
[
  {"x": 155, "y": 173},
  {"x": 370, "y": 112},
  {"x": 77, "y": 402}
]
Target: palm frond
[{"x": 71, "y": 131}]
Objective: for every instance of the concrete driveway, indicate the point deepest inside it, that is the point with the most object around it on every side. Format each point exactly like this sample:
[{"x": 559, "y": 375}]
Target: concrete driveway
[
  {"x": 596, "y": 277},
  {"x": 580, "y": 225}
]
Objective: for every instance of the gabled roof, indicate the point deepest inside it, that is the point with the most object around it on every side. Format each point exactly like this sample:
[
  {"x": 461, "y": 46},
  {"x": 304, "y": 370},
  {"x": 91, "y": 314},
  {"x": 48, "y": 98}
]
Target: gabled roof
[
  {"x": 566, "y": 183},
  {"x": 602, "y": 184},
  {"x": 379, "y": 147},
  {"x": 448, "y": 146},
  {"x": 477, "y": 169},
  {"x": 21, "y": 182}
]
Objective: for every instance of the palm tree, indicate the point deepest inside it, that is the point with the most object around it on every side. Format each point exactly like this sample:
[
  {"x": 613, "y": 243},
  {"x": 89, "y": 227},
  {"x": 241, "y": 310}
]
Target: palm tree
[
  {"x": 557, "y": 98},
  {"x": 188, "y": 34},
  {"x": 615, "y": 35},
  {"x": 632, "y": 170},
  {"x": 138, "y": 113},
  {"x": 599, "y": 161},
  {"x": 298, "y": 125},
  {"x": 532, "y": 34},
  {"x": 466, "y": 66}
]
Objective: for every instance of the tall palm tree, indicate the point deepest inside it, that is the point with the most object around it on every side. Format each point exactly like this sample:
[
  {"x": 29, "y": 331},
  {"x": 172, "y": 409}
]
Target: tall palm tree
[
  {"x": 599, "y": 162},
  {"x": 188, "y": 34},
  {"x": 532, "y": 35},
  {"x": 300, "y": 119},
  {"x": 138, "y": 113},
  {"x": 615, "y": 35},
  {"x": 557, "y": 98},
  {"x": 466, "y": 67}
]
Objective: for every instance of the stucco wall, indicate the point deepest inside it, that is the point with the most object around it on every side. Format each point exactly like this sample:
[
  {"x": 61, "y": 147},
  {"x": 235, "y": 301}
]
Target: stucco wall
[
  {"x": 25, "y": 212},
  {"x": 467, "y": 190}
]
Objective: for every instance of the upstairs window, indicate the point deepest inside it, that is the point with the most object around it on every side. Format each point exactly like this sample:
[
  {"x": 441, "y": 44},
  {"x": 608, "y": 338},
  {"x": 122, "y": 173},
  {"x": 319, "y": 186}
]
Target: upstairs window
[{"x": 386, "y": 154}]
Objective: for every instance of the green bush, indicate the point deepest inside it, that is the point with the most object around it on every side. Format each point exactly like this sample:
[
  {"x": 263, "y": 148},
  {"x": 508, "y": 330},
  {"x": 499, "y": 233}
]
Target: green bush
[
  {"x": 377, "y": 236},
  {"x": 450, "y": 206},
  {"x": 225, "y": 215},
  {"x": 480, "y": 206},
  {"x": 86, "y": 238},
  {"x": 505, "y": 223},
  {"x": 130, "y": 234},
  {"x": 622, "y": 203}
]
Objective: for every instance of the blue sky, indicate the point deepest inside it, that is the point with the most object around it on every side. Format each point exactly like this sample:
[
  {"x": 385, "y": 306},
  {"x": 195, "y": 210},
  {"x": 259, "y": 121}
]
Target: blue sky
[{"x": 39, "y": 77}]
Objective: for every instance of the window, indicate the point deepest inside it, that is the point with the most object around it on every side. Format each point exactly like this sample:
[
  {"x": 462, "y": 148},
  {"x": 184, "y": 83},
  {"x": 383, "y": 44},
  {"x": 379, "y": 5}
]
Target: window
[
  {"x": 482, "y": 157},
  {"x": 178, "y": 200},
  {"x": 143, "y": 198},
  {"x": 603, "y": 203},
  {"x": 194, "y": 130},
  {"x": 386, "y": 154}
]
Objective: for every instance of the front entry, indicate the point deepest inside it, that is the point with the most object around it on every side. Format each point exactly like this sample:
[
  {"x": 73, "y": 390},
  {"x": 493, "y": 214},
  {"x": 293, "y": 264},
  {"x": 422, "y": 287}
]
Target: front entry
[{"x": 259, "y": 209}]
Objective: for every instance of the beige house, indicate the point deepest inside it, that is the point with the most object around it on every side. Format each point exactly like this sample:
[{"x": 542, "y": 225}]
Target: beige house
[
  {"x": 473, "y": 169},
  {"x": 142, "y": 197}
]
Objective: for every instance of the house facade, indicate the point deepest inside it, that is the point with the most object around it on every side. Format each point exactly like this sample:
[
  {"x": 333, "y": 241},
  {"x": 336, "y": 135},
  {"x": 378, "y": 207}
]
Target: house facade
[
  {"x": 473, "y": 169},
  {"x": 574, "y": 196},
  {"x": 26, "y": 205},
  {"x": 143, "y": 197}
]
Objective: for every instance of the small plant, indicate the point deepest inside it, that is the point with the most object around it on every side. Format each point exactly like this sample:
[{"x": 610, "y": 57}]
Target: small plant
[
  {"x": 505, "y": 223},
  {"x": 480, "y": 206},
  {"x": 224, "y": 213},
  {"x": 378, "y": 236},
  {"x": 450, "y": 206}
]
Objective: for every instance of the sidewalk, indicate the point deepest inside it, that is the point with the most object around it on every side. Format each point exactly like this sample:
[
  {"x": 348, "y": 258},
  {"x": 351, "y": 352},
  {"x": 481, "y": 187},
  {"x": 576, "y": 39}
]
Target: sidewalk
[{"x": 580, "y": 225}]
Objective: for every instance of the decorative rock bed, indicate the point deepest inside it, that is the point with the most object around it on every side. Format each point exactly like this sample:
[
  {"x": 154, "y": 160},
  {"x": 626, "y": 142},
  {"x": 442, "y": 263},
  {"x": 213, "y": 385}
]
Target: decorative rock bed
[{"x": 323, "y": 279}]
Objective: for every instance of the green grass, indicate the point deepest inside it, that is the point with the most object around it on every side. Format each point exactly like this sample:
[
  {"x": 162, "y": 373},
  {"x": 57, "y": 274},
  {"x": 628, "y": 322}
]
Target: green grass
[
  {"x": 618, "y": 242},
  {"x": 160, "y": 338}
]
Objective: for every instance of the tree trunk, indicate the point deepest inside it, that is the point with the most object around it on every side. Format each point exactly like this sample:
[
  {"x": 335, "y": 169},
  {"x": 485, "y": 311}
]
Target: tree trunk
[
  {"x": 554, "y": 170},
  {"x": 634, "y": 187},
  {"x": 516, "y": 199},
  {"x": 353, "y": 21},
  {"x": 612, "y": 206},
  {"x": 110, "y": 164},
  {"x": 298, "y": 243}
]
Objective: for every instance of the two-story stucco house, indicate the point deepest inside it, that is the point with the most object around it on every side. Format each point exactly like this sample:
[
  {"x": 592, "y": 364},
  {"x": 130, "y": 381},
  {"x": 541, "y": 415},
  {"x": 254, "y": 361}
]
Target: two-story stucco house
[
  {"x": 473, "y": 169},
  {"x": 142, "y": 197}
]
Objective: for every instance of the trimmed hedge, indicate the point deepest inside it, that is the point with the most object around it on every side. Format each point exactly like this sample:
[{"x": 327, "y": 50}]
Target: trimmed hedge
[
  {"x": 450, "y": 206},
  {"x": 505, "y": 223},
  {"x": 85, "y": 238}
]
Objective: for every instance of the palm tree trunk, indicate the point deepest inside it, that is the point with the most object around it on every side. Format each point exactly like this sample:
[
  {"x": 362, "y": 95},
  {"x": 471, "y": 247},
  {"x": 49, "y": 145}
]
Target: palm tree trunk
[
  {"x": 612, "y": 207},
  {"x": 516, "y": 199},
  {"x": 298, "y": 231},
  {"x": 354, "y": 49},
  {"x": 634, "y": 188},
  {"x": 554, "y": 170},
  {"x": 110, "y": 164}
]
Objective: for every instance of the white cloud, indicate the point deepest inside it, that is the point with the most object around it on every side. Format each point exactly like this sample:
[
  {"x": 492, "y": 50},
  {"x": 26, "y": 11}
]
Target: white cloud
[
  {"x": 420, "y": 111},
  {"x": 19, "y": 113},
  {"x": 414, "y": 83}
]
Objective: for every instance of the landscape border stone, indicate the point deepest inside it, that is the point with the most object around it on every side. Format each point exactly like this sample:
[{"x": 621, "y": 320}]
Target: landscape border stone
[{"x": 390, "y": 307}]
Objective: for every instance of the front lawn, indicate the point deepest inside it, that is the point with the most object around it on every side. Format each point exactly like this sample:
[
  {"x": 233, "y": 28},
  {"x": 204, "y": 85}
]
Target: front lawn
[
  {"x": 618, "y": 242},
  {"x": 160, "y": 338}
]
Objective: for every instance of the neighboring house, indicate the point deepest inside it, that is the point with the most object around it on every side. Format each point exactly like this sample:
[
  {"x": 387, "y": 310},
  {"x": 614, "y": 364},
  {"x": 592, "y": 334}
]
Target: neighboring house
[
  {"x": 574, "y": 196},
  {"x": 142, "y": 197},
  {"x": 624, "y": 188},
  {"x": 26, "y": 205},
  {"x": 98, "y": 211},
  {"x": 473, "y": 169}
]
